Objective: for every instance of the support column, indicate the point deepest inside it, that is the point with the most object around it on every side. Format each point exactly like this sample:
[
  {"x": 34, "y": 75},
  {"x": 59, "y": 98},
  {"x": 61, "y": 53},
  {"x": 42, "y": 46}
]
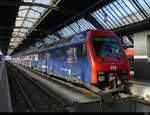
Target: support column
[{"x": 142, "y": 55}]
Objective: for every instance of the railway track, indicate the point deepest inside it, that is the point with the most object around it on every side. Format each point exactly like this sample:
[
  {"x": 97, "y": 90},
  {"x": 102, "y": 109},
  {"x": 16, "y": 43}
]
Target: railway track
[
  {"x": 30, "y": 96},
  {"x": 81, "y": 89}
]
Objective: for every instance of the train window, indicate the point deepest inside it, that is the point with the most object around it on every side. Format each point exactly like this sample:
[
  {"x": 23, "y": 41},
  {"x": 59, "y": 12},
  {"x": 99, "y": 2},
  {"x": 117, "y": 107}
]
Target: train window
[
  {"x": 107, "y": 46},
  {"x": 81, "y": 51},
  {"x": 33, "y": 58},
  {"x": 36, "y": 57}
]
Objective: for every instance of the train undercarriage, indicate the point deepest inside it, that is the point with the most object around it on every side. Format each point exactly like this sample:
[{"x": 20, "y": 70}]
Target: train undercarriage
[{"x": 113, "y": 81}]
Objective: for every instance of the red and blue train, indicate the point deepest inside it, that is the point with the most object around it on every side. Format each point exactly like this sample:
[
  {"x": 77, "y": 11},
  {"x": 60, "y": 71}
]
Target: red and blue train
[{"x": 93, "y": 56}]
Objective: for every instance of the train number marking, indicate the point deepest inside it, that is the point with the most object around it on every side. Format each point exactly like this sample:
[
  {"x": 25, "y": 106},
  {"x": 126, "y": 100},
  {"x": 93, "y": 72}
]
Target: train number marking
[{"x": 113, "y": 67}]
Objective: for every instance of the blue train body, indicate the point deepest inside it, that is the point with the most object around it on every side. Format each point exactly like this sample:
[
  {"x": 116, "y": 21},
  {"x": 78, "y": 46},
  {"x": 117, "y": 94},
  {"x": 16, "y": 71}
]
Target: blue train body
[{"x": 61, "y": 60}]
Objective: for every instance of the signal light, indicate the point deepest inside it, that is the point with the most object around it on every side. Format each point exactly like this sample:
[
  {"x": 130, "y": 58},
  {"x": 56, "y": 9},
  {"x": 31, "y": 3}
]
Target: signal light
[{"x": 100, "y": 73}]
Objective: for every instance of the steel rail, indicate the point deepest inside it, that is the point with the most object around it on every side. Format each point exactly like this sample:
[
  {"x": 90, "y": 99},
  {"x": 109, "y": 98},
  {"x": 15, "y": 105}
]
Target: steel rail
[
  {"x": 25, "y": 95},
  {"x": 44, "y": 90}
]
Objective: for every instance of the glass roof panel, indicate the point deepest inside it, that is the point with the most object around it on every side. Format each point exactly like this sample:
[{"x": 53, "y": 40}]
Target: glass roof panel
[
  {"x": 132, "y": 10},
  {"x": 19, "y": 22},
  {"x": 138, "y": 13},
  {"x": 27, "y": 24},
  {"x": 123, "y": 15},
  {"x": 100, "y": 20},
  {"x": 76, "y": 27},
  {"x": 28, "y": 0},
  {"x": 23, "y": 30},
  {"x": 38, "y": 9},
  {"x": 65, "y": 32},
  {"x": 100, "y": 17},
  {"x": 38, "y": 44},
  {"x": 47, "y": 40},
  {"x": 120, "y": 13},
  {"x": 145, "y": 4},
  {"x": 114, "y": 14},
  {"x": 20, "y": 34},
  {"x": 68, "y": 28},
  {"x": 46, "y": 2},
  {"x": 33, "y": 14},
  {"x": 110, "y": 18},
  {"x": 52, "y": 37}
]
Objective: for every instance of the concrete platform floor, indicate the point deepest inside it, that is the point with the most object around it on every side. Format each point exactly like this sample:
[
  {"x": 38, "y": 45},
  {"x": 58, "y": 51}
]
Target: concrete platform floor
[{"x": 5, "y": 99}]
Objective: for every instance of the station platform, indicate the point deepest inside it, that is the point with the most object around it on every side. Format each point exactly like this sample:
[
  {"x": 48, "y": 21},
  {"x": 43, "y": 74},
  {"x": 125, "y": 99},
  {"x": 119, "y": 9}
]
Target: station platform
[
  {"x": 139, "y": 87},
  {"x": 5, "y": 99}
]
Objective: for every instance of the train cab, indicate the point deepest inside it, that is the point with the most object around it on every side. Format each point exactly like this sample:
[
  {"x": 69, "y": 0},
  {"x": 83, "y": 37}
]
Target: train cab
[{"x": 109, "y": 63}]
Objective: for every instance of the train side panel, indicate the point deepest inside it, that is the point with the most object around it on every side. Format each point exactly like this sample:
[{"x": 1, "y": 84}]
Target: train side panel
[
  {"x": 43, "y": 66},
  {"x": 65, "y": 62},
  {"x": 83, "y": 64},
  {"x": 34, "y": 60}
]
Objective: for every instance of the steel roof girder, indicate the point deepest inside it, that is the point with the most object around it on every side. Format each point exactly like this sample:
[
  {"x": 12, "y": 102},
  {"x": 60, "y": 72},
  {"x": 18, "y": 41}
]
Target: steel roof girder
[{"x": 10, "y": 3}]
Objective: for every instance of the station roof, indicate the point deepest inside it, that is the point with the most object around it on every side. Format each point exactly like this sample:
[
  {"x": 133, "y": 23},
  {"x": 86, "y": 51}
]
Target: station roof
[
  {"x": 43, "y": 21},
  {"x": 7, "y": 22}
]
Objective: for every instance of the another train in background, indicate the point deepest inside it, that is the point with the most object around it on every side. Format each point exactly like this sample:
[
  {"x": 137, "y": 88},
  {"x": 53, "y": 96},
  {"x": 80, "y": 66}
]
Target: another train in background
[
  {"x": 94, "y": 56},
  {"x": 130, "y": 55}
]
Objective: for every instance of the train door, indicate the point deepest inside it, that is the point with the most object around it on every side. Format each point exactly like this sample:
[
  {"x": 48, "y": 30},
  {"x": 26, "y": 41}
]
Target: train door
[
  {"x": 36, "y": 61},
  {"x": 74, "y": 62},
  {"x": 83, "y": 64},
  {"x": 47, "y": 56},
  {"x": 70, "y": 62},
  {"x": 30, "y": 62},
  {"x": 40, "y": 61},
  {"x": 44, "y": 62},
  {"x": 51, "y": 67}
]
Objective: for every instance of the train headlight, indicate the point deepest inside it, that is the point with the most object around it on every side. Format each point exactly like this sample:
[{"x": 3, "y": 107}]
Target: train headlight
[
  {"x": 101, "y": 78},
  {"x": 100, "y": 75}
]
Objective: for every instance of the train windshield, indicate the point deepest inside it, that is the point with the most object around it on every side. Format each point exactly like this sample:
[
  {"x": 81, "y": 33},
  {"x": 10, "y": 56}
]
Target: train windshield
[{"x": 107, "y": 46}]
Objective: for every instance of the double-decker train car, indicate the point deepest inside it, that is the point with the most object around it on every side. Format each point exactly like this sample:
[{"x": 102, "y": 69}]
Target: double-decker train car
[{"x": 93, "y": 56}]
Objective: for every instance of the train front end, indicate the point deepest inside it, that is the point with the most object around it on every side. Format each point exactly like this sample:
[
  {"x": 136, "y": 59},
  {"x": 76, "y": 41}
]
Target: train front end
[{"x": 110, "y": 67}]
